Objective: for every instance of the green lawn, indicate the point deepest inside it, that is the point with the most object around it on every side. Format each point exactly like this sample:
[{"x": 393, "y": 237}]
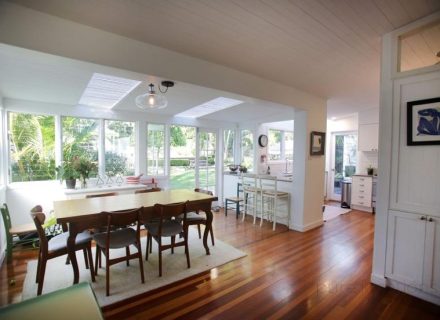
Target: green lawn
[{"x": 183, "y": 177}]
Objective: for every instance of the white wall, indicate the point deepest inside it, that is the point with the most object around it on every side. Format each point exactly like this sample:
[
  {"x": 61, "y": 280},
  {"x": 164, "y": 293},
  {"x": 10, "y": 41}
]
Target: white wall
[
  {"x": 34, "y": 30},
  {"x": 2, "y": 184},
  {"x": 408, "y": 180},
  {"x": 366, "y": 159}
]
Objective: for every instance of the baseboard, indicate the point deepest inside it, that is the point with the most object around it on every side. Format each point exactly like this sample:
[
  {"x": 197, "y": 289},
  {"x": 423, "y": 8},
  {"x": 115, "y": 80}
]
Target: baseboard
[
  {"x": 310, "y": 226},
  {"x": 379, "y": 280},
  {"x": 413, "y": 291}
]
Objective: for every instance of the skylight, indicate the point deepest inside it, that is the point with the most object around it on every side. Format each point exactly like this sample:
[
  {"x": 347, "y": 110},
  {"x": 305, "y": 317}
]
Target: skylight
[
  {"x": 104, "y": 91},
  {"x": 208, "y": 107}
]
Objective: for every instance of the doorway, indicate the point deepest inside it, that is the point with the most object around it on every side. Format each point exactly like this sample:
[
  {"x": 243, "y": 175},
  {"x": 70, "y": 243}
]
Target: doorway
[
  {"x": 343, "y": 162},
  {"x": 206, "y": 164}
]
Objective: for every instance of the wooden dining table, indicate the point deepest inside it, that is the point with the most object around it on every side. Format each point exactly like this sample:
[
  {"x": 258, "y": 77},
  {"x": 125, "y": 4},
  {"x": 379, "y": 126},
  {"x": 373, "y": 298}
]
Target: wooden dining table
[{"x": 83, "y": 214}]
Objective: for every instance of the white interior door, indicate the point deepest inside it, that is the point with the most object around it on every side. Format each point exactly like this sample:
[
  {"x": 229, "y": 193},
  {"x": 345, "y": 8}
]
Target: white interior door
[{"x": 343, "y": 161}]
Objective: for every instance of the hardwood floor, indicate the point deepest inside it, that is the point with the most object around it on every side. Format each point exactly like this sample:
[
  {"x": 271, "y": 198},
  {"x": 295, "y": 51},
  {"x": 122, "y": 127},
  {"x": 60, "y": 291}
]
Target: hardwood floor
[{"x": 323, "y": 273}]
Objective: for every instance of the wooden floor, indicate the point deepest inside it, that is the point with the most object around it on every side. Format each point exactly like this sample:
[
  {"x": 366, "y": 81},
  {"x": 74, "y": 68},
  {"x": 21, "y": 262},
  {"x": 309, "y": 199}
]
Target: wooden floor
[{"x": 323, "y": 273}]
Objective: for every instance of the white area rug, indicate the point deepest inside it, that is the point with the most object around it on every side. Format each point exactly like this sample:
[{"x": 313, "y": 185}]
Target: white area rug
[
  {"x": 332, "y": 212},
  {"x": 125, "y": 282}
]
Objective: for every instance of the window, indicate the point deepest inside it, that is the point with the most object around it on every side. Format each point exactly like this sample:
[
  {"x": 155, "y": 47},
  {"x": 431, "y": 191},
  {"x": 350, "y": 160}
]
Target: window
[
  {"x": 228, "y": 148},
  {"x": 247, "y": 149},
  {"x": 274, "y": 150},
  {"x": 288, "y": 145},
  {"x": 119, "y": 148},
  {"x": 32, "y": 147},
  {"x": 155, "y": 149},
  {"x": 80, "y": 138},
  {"x": 182, "y": 157}
]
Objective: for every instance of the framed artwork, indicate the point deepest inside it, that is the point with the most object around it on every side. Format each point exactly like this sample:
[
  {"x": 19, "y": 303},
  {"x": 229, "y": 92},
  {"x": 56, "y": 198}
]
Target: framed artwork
[
  {"x": 423, "y": 122},
  {"x": 317, "y": 143}
]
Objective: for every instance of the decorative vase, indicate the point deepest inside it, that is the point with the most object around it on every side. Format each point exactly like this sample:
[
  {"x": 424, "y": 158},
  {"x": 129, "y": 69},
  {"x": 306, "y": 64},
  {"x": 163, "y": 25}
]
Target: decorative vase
[
  {"x": 119, "y": 180},
  {"x": 370, "y": 171}
]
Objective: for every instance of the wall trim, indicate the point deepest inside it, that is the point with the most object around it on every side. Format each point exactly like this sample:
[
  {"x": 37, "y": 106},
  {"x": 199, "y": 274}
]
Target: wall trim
[
  {"x": 412, "y": 291},
  {"x": 307, "y": 227},
  {"x": 379, "y": 279}
]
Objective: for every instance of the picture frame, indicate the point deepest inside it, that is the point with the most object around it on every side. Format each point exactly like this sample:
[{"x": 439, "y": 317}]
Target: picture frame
[
  {"x": 423, "y": 122},
  {"x": 317, "y": 143}
]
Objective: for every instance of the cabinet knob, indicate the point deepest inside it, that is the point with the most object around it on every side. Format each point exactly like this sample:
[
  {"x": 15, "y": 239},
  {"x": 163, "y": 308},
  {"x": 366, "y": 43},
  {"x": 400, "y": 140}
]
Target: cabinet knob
[
  {"x": 422, "y": 218},
  {"x": 430, "y": 219}
]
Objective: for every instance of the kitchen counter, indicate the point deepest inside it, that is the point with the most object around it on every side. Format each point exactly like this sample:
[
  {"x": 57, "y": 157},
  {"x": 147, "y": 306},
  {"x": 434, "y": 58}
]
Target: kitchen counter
[{"x": 279, "y": 177}]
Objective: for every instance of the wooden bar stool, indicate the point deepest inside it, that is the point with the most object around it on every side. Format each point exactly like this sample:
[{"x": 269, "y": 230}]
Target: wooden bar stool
[
  {"x": 237, "y": 201},
  {"x": 270, "y": 200}
]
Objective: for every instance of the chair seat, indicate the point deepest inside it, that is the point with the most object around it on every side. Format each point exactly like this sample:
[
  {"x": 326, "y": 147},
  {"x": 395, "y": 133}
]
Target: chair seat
[
  {"x": 234, "y": 199},
  {"x": 275, "y": 193},
  {"x": 118, "y": 239},
  {"x": 60, "y": 241},
  {"x": 192, "y": 216},
  {"x": 22, "y": 229},
  {"x": 169, "y": 228}
]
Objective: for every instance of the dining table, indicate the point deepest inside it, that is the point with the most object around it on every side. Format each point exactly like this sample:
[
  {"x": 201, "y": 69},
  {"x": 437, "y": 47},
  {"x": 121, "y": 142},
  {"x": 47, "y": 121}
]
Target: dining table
[{"x": 85, "y": 214}]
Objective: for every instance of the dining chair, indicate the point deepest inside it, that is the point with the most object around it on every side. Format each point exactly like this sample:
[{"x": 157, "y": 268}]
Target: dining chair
[
  {"x": 117, "y": 236},
  {"x": 194, "y": 218},
  {"x": 272, "y": 200},
  {"x": 21, "y": 234},
  {"x": 236, "y": 201},
  {"x": 57, "y": 246},
  {"x": 99, "y": 195},
  {"x": 165, "y": 224},
  {"x": 148, "y": 190}
]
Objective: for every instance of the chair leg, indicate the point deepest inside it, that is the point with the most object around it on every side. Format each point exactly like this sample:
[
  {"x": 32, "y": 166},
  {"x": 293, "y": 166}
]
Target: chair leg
[
  {"x": 89, "y": 254},
  {"x": 212, "y": 236},
  {"x": 151, "y": 244},
  {"x": 186, "y": 248},
  {"x": 107, "y": 276},
  {"x": 159, "y": 243},
  {"x": 127, "y": 254},
  {"x": 41, "y": 275},
  {"x": 173, "y": 241},
  {"x": 141, "y": 263},
  {"x": 237, "y": 209},
  {"x": 97, "y": 257},
  {"x": 226, "y": 208},
  {"x": 85, "y": 258},
  {"x": 147, "y": 249},
  {"x": 38, "y": 268},
  {"x": 200, "y": 234}
]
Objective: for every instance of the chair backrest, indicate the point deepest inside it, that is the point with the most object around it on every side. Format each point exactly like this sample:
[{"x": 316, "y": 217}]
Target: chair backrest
[
  {"x": 7, "y": 223},
  {"x": 268, "y": 183},
  {"x": 108, "y": 194},
  {"x": 249, "y": 182},
  {"x": 39, "y": 218},
  {"x": 148, "y": 190},
  {"x": 168, "y": 211},
  {"x": 123, "y": 218},
  {"x": 209, "y": 192}
]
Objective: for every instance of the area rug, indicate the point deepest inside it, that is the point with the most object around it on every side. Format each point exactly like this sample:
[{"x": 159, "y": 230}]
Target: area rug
[
  {"x": 125, "y": 282},
  {"x": 332, "y": 212}
]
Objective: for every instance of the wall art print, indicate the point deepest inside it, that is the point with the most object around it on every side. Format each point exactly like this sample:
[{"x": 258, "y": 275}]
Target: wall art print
[{"x": 423, "y": 122}]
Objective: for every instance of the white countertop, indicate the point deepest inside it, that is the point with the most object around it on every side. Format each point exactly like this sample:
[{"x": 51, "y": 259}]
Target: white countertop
[
  {"x": 105, "y": 188},
  {"x": 280, "y": 177}
]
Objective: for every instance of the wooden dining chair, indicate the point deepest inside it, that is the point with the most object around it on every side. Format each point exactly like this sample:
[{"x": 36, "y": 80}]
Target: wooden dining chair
[
  {"x": 57, "y": 246},
  {"x": 21, "y": 234},
  {"x": 195, "y": 218},
  {"x": 118, "y": 235},
  {"x": 165, "y": 224},
  {"x": 99, "y": 195},
  {"x": 148, "y": 190}
]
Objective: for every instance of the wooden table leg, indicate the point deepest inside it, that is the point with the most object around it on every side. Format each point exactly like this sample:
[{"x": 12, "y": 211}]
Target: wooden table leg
[
  {"x": 72, "y": 255},
  {"x": 207, "y": 229}
]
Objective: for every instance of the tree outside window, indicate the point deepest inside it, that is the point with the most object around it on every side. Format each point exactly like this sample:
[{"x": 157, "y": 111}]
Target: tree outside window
[
  {"x": 155, "y": 149},
  {"x": 247, "y": 149},
  {"x": 119, "y": 148}
]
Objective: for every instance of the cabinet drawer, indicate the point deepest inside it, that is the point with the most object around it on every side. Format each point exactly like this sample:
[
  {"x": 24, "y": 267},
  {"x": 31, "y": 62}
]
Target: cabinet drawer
[
  {"x": 366, "y": 202},
  {"x": 362, "y": 193}
]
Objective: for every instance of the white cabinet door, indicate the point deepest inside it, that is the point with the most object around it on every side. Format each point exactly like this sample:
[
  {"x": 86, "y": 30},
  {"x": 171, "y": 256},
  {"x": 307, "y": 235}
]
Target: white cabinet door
[
  {"x": 368, "y": 137},
  {"x": 405, "y": 248},
  {"x": 431, "y": 272}
]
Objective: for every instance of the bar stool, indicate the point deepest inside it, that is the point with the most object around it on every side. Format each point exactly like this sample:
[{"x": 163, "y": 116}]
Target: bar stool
[
  {"x": 236, "y": 201},
  {"x": 270, "y": 196},
  {"x": 251, "y": 193}
]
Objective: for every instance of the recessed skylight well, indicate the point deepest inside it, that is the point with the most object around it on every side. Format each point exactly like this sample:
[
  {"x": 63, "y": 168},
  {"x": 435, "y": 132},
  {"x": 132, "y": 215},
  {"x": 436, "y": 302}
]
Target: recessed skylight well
[
  {"x": 104, "y": 91},
  {"x": 208, "y": 107}
]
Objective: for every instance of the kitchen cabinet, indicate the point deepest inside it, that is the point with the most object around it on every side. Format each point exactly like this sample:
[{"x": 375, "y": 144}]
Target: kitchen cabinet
[
  {"x": 413, "y": 251},
  {"x": 362, "y": 193},
  {"x": 368, "y": 137}
]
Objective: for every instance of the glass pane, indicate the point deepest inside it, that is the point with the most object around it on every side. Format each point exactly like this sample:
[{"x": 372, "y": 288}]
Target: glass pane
[
  {"x": 80, "y": 139},
  {"x": 228, "y": 148},
  {"x": 155, "y": 149},
  {"x": 288, "y": 145},
  {"x": 182, "y": 157},
  {"x": 274, "y": 144},
  {"x": 32, "y": 147},
  {"x": 207, "y": 145},
  {"x": 119, "y": 148},
  {"x": 420, "y": 48},
  {"x": 345, "y": 159},
  {"x": 247, "y": 149}
]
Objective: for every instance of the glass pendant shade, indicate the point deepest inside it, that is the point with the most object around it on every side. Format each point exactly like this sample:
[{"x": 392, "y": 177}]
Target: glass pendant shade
[{"x": 151, "y": 100}]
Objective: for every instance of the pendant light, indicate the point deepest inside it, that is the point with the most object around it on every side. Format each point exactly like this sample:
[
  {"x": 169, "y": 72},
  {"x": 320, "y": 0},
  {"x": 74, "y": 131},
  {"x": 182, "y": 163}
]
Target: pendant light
[{"x": 152, "y": 99}]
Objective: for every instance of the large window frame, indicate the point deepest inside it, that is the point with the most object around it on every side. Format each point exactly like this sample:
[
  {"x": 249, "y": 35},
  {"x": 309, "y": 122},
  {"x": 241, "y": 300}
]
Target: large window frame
[
  {"x": 164, "y": 149},
  {"x": 283, "y": 156}
]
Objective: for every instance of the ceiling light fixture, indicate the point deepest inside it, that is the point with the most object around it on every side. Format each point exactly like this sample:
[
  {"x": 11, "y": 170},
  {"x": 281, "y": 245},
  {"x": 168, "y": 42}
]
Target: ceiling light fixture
[{"x": 152, "y": 99}]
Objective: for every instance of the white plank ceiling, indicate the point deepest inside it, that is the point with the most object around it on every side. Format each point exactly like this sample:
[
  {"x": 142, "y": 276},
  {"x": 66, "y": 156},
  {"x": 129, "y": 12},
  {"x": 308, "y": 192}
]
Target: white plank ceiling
[{"x": 330, "y": 48}]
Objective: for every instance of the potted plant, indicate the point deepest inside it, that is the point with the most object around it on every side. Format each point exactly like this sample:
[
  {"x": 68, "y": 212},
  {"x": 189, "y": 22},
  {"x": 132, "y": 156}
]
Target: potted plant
[
  {"x": 370, "y": 170},
  {"x": 84, "y": 167},
  {"x": 67, "y": 172}
]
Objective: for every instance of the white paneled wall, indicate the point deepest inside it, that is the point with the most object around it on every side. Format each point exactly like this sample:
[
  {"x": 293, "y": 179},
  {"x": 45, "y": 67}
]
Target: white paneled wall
[{"x": 2, "y": 227}]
